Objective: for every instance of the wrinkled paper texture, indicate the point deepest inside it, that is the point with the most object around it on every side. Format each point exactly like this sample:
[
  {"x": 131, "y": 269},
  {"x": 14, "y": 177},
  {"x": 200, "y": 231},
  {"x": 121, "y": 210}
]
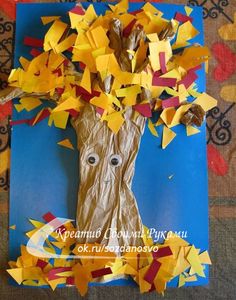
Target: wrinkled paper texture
[{"x": 105, "y": 198}]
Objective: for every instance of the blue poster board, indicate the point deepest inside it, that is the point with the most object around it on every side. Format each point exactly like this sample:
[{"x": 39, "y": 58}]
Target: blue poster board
[{"x": 44, "y": 176}]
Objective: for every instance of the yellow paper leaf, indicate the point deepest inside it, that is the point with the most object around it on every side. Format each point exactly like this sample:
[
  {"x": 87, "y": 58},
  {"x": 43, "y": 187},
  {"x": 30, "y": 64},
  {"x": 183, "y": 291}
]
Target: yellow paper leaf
[
  {"x": 130, "y": 100},
  {"x": 33, "y": 273},
  {"x": 107, "y": 63},
  {"x": 81, "y": 279},
  {"x": 194, "y": 93},
  {"x": 192, "y": 56},
  {"x": 49, "y": 19},
  {"x": 185, "y": 33},
  {"x": 98, "y": 52},
  {"x": 126, "y": 19},
  {"x": 152, "y": 128},
  {"x": 204, "y": 258},
  {"x": 191, "y": 130},
  {"x": 153, "y": 37},
  {"x": 191, "y": 278},
  {"x": 24, "y": 63},
  {"x": 188, "y": 10},
  {"x": 129, "y": 91},
  {"x": 101, "y": 101},
  {"x": 167, "y": 115},
  {"x": 65, "y": 274},
  {"x": 86, "y": 80},
  {"x": 36, "y": 224},
  {"x": 59, "y": 119},
  {"x": 157, "y": 47},
  {"x": 16, "y": 274},
  {"x": 69, "y": 103},
  {"x": 66, "y": 143},
  {"x": 130, "y": 270},
  {"x": 148, "y": 7},
  {"x": 172, "y": 74},
  {"x": 160, "y": 285},
  {"x": 54, "y": 283},
  {"x": 65, "y": 44},
  {"x": 181, "y": 280},
  {"x": 195, "y": 262},
  {"x": 207, "y": 102},
  {"x": 75, "y": 19},
  {"x": 143, "y": 284},
  {"x": 100, "y": 37},
  {"x": 30, "y": 103},
  {"x": 90, "y": 14},
  {"x": 30, "y": 283},
  {"x": 54, "y": 34},
  {"x": 115, "y": 121},
  {"x": 19, "y": 107},
  {"x": 168, "y": 136},
  {"x": 120, "y": 7}
]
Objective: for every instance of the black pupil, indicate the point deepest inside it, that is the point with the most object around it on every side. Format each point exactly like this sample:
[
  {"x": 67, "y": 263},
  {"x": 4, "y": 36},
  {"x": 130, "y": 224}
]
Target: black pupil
[
  {"x": 91, "y": 160},
  {"x": 114, "y": 161}
]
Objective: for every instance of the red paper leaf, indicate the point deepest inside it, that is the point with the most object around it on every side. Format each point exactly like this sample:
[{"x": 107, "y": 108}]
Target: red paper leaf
[
  {"x": 33, "y": 42},
  {"x": 189, "y": 78},
  {"x": 48, "y": 217},
  {"x": 100, "y": 110},
  {"x": 60, "y": 91},
  {"x": 78, "y": 10},
  {"x": 86, "y": 96},
  {"x": 159, "y": 81},
  {"x": 127, "y": 30},
  {"x": 35, "y": 52},
  {"x": 216, "y": 162},
  {"x": 165, "y": 251},
  {"x": 82, "y": 65},
  {"x": 52, "y": 274},
  {"x": 74, "y": 113},
  {"x": 182, "y": 18},
  {"x": 162, "y": 58},
  {"x": 41, "y": 263},
  {"x": 135, "y": 12},
  {"x": 152, "y": 271},
  {"x": 44, "y": 115},
  {"x": 19, "y": 122},
  {"x": 70, "y": 280},
  {"x": 101, "y": 272},
  {"x": 143, "y": 109},
  {"x": 171, "y": 102}
]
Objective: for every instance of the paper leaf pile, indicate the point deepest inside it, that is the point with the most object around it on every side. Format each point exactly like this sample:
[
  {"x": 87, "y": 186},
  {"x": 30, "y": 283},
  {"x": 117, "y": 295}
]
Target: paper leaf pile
[
  {"x": 115, "y": 61},
  {"x": 151, "y": 268}
]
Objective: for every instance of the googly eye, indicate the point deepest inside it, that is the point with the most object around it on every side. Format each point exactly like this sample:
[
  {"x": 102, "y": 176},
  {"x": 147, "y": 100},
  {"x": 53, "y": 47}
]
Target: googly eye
[
  {"x": 115, "y": 160},
  {"x": 93, "y": 159}
]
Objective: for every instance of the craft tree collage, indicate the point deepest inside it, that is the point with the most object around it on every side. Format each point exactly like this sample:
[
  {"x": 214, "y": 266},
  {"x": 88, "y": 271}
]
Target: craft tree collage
[{"x": 117, "y": 154}]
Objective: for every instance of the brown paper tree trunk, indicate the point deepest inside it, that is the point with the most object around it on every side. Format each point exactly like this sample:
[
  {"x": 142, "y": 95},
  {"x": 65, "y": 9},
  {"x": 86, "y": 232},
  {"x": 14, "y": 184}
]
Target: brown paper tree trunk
[{"x": 106, "y": 203}]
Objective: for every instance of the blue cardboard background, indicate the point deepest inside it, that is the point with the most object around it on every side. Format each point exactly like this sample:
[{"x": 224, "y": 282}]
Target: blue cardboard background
[{"x": 44, "y": 176}]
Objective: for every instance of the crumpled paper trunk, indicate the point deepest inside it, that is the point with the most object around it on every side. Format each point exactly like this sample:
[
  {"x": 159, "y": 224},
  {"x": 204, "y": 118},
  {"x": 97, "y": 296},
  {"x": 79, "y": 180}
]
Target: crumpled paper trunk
[{"x": 106, "y": 202}]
